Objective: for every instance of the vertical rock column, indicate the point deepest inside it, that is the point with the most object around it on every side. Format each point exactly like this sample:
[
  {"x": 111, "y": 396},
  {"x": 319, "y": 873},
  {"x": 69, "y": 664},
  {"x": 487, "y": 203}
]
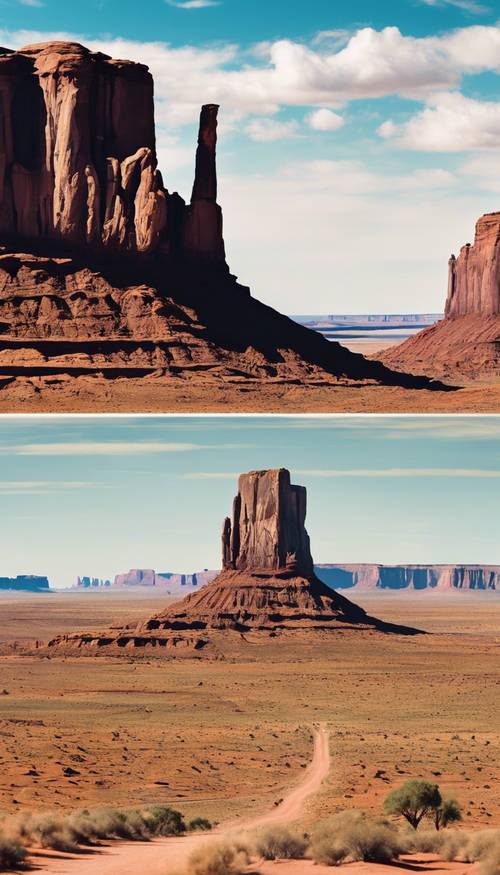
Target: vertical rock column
[
  {"x": 267, "y": 529},
  {"x": 203, "y": 222}
]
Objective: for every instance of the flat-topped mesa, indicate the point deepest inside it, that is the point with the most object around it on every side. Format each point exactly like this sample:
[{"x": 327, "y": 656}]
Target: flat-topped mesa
[
  {"x": 78, "y": 159},
  {"x": 267, "y": 530},
  {"x": 474, "y": 277}
]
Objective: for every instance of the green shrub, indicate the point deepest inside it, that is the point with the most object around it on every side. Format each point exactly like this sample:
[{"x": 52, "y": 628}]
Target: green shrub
[
  {"x": 166, "y": 821},
  {"x": 12, "y": 853},
  {"x": 280, "y": 843},
  {"x": 352, "y": 836},
  {"x": 414, "y": 800},
  {"x": 218, "y": 858},
  {"x": 199, "y": 824}
]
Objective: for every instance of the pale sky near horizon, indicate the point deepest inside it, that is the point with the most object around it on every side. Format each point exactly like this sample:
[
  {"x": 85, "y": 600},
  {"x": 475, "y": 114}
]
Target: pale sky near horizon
[
  {"x": 359, "y": 142},
  {"x": 99, "y": 495}
]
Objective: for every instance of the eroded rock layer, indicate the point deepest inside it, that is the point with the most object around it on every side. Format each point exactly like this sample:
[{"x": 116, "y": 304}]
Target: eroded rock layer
[
  {"x": 467, "y": 341},
  {"x": 267, "y": 589},
  {"x": 439, "y": 578},
  {"x": 104, "y": 273}
]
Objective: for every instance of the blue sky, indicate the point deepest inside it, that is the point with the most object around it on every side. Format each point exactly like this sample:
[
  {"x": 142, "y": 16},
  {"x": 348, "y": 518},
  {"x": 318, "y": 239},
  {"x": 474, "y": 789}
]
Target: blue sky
[
  {"x": 99, "y": 495},
  {"x": 359, "y": 142}
]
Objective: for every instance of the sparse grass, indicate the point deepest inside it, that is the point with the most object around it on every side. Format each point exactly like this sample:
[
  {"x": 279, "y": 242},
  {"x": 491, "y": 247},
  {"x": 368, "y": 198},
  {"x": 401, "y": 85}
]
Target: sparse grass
[
  {"x": 66, "y": 832},
  {"x": 280, "y": 843},
  {"x": 353, "y": 835},
  {"x": 12, "y": 853},
  {"x": 218, "y": 858}
]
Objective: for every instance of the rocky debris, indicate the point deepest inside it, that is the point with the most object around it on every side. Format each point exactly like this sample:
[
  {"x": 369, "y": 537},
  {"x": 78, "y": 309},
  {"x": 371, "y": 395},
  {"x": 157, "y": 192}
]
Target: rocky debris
[
  {"x": 467, "y": 341},
  {"x": 104, "y": 273},
  {"x": 440, "y": 578},
  {"x": 267, "y": 588},
  {"x": 25, "y": 583}
]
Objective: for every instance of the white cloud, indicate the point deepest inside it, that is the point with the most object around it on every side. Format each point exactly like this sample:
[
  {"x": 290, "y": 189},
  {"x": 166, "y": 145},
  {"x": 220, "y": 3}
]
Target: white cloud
[
  {"x": 103, "y": 448},
  {"x": 483, "y": 170},
  {"x": 42, "y": 487},
  {"x": 284, "y": 73},
  {"x": 359, "y": 472},
  {"x": 34, "y": 4},
  {"x": 193, "y": 4},
  {"x": 397, "y": 472},
  {"x": 266, "y": 130},
  {"x": 465, "y": 5},
  {"x": 450, "y": 122},
  {"x": 325, "y": 120}
]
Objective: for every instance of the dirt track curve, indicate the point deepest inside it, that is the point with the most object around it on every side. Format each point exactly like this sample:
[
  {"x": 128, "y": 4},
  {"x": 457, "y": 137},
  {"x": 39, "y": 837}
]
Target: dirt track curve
[{"x": 165, "y": 856}]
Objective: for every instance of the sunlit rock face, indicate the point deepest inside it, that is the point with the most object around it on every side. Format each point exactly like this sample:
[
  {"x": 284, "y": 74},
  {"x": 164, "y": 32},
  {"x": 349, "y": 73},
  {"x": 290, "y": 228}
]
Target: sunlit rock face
[{"x": 78, "y": 159}]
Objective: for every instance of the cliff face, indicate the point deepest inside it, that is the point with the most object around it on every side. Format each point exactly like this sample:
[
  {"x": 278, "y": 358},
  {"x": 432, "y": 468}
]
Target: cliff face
[
  {"x": 78, "y": 160},
  {"x": 25, "y": 583},
  {"x": 267, "y": 529},
  {"x": 474, "y": 277},
  {"x": 443, "y": 578},
  {"x": 466, "y": 343},
  {"x": 165, "y": 580}
]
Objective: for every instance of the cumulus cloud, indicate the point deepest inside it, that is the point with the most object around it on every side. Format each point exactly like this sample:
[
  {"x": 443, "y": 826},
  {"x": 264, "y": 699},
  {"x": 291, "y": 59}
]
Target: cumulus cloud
[
  {"x": 285, "y": 73},
  {"x": 450, "y": 122},
  {"x": 267, "y": 130},
  {"x": 325, "y": 120}
]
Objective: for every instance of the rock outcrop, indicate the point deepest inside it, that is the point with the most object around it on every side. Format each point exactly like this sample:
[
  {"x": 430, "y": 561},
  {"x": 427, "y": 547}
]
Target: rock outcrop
[
  {"x": 167, "y": 581},
  {"x": 467, "y": 341},
  {"x": 266, "y": 590},
  {"x": 25, "y": 583},
  {"x": 436, "y": 578},
  {"x": 104, "y": 273},
  {"x": 78, "y": 160}
]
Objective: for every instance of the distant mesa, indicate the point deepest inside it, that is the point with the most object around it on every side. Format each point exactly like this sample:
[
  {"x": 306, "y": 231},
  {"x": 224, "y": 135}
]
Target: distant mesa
[
  {"x": 415, "y": 578},
  {"x": 266, "y": 590},
  {"x": 148, "y": 578},
  {"x": 467, "y": 341},
  {"x": 105, "y": 273},
  {"x": 25, "y": 583}
]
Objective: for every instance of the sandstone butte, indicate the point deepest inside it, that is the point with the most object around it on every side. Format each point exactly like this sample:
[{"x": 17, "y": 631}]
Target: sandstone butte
[
  {"x": 267, "y": 588},
  {"x": 467, "y": 341},
  {"x": 104, "y": 272}
]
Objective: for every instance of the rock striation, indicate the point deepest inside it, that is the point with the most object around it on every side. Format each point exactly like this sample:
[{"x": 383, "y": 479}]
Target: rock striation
[
  {"x": 436, "y": 578},
  {"x": 267, "y": 588},
  {"x": 467, "y": 341},
  {"x": 25, "y": 583},
  {"x": 105, "y": 273}
]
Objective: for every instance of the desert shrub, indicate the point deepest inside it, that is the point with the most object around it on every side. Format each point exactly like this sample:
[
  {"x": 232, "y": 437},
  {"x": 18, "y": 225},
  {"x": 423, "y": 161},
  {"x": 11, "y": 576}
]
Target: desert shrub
[
  {"x": 218, "y": 858},
  {"x": 280, "y": 843},
  {"x": 414, "y": 800},
  {"x": 165, "y": 821},
  {"x": 482, "y": 844},
  {"x": 354, "y": 835},
  {"x": 200, "y": 824},
  {"x": 12, "y": 853},
  {"x": 453, "y": 845},
  {"x": 425, "y": 841},
  {"x": 447, "y": 812},
  {"x": 49, "y": 830},
  {"x": 490, "y": 861}
]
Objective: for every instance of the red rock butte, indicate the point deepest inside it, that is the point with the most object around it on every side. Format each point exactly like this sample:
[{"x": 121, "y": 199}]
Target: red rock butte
[
  {"x": 467, "y": 341},
  {"x": 104, "y": 272},
  {"x": 266, "y": 590}
]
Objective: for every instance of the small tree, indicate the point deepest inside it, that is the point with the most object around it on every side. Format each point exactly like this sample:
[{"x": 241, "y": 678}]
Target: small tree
[
  {"x": 413, "y": 800},
  {"x": 446, "y": 813}
]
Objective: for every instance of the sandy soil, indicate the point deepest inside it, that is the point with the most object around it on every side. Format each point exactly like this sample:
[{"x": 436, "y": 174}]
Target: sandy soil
[
  {"x": 131, "y": 728},
  {"x": 175, "y": 395}
]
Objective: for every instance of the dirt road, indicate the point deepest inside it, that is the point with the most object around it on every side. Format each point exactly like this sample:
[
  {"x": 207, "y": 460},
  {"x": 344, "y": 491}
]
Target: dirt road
[{"x": 165, "y": 856}]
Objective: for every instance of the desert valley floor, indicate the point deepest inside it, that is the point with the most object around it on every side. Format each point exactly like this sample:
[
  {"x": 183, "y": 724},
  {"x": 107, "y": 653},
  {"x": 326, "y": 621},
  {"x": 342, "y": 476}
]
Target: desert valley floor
[{"x": 224, "y": 738}]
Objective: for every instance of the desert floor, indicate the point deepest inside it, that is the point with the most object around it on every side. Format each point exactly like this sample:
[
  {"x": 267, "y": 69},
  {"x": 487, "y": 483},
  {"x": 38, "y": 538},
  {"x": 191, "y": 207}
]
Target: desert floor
[
  {"x": 227, "y": 738},
  {"x": 88, "y": 394}
]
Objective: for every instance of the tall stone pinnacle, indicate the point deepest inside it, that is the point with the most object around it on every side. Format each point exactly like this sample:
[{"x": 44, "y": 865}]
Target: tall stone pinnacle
[{"x": 267, "y": 529}]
